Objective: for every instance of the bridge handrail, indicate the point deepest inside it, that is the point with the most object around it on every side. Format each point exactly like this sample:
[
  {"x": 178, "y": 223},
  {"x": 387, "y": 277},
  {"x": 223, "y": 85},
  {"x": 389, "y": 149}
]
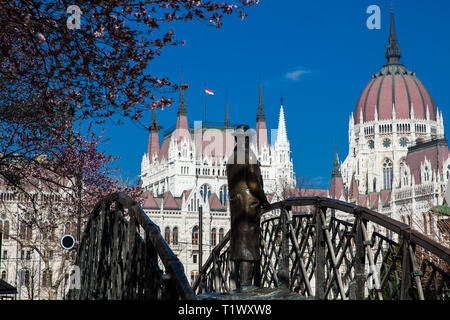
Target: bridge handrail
[
  {"x": 173, "y": 266},
  {"x": 370, "y": 215},
  {"x": 410, "y": 236}
]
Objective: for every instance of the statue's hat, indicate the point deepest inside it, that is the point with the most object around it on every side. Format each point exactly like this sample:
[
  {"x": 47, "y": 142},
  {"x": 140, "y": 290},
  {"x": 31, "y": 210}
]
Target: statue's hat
[{"x": 243, "y": 129}]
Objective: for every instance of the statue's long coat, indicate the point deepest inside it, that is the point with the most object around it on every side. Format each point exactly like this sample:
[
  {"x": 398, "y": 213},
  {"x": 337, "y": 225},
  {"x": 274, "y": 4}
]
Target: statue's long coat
[{"x": 247, "y": 197}]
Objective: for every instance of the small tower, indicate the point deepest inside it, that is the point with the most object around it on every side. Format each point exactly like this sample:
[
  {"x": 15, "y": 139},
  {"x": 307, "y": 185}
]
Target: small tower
[
  {"x": 262, "y": 138},
  {"x": 182, "y": 122},
  {"x": 282, "y": 134},
  {"x": 337, "y": 190},
  {"x": 283, "y": 152},
  {"x": 227, "y": 120},
  {"x": 153, "y": 137},
  {"x": 182, "y": 128},
  {"x": 393, "y": 52},
  {"x": 353, "y": 192}
]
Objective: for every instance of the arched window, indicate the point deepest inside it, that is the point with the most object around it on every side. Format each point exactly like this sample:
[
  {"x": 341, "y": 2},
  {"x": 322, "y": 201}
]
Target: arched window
[
  {"x": 425, "y": 226},
  {"x": 405, "y": 178},
  {"x": 26, "y": 278},
  {"x": 6, "y": 229},
  {"x": 205, "y": 191},
  {"x": 4, "y": 275},
  {"x": 387, "y": 174},
  {"x": 426, "y": 174},
  {"x": 46, "y": 277},
  {"x": 374, "y": 184},
  {"x": 403, "y": 163},
  {"x": 195, "y": 235},
  {"x": 223, "y": 194},
  {"x": 167, "y": 234},
  {"x": 220, "y": 234},
  {"x": 29, "y": 232},
  {"x": 22, "y": 230},
  {"x": 213, "y": 237},
  {"x": 175, "y": 235}
]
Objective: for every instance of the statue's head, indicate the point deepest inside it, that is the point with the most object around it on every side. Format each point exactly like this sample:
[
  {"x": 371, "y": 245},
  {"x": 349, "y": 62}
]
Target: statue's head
[
  {"x": 243, "y": 127},
  {"x": 242, "y": 130}
]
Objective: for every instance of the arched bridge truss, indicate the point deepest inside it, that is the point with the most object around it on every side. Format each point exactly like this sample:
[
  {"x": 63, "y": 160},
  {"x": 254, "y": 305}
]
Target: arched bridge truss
[
  {"x": 334, "y": 250},
  {"x": 338, "y": 251}
]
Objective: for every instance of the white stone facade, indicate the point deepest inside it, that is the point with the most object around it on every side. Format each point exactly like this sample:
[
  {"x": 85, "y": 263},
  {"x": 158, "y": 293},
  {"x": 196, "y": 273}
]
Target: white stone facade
[{"x": 188, "y": 173}]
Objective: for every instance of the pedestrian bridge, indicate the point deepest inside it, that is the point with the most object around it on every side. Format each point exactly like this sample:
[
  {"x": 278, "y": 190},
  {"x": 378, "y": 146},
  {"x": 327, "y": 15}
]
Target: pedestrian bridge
[{"x": 323, "y": 249}]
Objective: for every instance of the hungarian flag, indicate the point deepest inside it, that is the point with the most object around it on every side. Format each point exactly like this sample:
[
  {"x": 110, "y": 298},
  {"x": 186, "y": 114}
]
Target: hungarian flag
[{"x": 209, "y": 92}]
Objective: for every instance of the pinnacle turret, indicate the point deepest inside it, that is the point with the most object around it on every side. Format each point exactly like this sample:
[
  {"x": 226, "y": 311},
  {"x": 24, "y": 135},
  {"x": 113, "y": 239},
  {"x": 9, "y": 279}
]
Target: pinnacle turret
[
  {"x": 260, "y": 116},
  {"x": 393, "y": 53},
  {"x": 227, "y": 120},
  {"x": 182, "y": 106},
  {"x": 336, "y": 171},
  {"x": 182, "y": 122},
  {"x": 153, "y": 137},
  {"x": 282, "y": 134}
]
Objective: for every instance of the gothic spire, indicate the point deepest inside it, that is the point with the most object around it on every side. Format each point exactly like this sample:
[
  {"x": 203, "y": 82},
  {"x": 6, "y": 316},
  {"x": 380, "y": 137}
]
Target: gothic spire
[
  {"x": 227, "y": 121},
  {"x": 260, "y": 116},
  {"x": 262, "y": 138},
  {"x": 393, "y": 49},
  {"x": 336, "y": 172},
  {"x": 282, "y": 135},
  {"x": 182, "y": 122},
  {"x": 153, "y": 138},
  {"x": 154, "y": 124},
  {"x": 182, "y": 107}
]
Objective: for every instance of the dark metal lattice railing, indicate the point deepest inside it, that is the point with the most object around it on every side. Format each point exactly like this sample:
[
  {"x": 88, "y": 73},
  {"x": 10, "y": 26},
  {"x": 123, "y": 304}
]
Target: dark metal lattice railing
[
  {"x": 123, "y": 255},
  {"x": 329, "y": 258}
]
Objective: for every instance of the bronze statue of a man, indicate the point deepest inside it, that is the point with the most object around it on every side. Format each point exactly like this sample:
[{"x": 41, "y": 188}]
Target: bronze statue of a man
[{"x": 247, "y": 198}]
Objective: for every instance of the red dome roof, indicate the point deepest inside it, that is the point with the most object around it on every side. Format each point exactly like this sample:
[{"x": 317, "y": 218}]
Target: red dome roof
[{"x": 394, "y": 85}]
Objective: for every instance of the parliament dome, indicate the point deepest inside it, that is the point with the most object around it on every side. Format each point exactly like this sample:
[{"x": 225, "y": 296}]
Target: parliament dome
[{"x": 394, "y": 92}]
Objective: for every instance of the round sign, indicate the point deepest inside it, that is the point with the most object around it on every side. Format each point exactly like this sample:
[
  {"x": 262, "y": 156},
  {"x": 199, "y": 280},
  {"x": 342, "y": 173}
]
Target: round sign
[{"x": 67, "y": 242}]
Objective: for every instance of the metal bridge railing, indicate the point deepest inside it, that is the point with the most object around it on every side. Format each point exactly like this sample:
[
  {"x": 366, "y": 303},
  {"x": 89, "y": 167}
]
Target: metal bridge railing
[
  {"x": 123, "y": 255},
  {"x": 319, "y": 255}
]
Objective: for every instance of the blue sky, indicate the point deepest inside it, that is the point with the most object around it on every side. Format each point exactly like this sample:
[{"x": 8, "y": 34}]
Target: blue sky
[{"x": 319, "y": 55}]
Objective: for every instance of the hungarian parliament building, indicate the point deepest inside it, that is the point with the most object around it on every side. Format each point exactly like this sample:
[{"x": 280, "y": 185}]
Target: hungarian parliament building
[
  {"x": 188, "y": 171},
  {"x": 398, "y": 163}
]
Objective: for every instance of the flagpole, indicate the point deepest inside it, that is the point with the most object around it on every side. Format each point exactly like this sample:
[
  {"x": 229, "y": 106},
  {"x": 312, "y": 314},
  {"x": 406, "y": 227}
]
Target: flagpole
[{"x": 205, "y": 104}]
